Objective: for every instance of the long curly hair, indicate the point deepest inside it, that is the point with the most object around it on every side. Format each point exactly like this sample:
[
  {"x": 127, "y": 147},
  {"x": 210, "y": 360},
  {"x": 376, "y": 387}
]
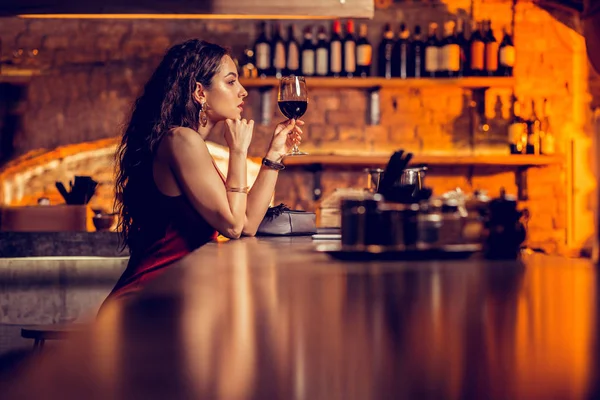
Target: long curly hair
[{"x": 166, "y": 102}]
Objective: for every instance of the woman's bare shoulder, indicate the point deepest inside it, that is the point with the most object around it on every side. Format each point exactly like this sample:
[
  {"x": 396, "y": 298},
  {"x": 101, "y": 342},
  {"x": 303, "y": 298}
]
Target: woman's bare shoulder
[
  {"x": 181, "y": 141},
  {"x": 186, "y": 135}
]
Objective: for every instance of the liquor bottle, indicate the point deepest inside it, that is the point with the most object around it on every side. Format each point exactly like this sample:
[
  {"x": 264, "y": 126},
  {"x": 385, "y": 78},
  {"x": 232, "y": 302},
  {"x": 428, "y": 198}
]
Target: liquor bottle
[
  {"x": 386, "y": 48},
  {"x": 533, "y": 132},
  {"x": 450, "y": 57},
  {"x": 547, "y": 140},
  {"x": 417, "y": 55},
  {"x": 506, "y": 55},
  {"x": 262, "y": 52},
  {"x": 401, "y": 54},
  {"x": 349, "y": 50},
  {"x": 477, "y": 51},
  {"x": 335, "y": 50},
  {"x": 248, "y": 64},
  {"x": 463, "y": 45},
  {"x": 364, "y": 53},
  {"x": 308, "y": 53},
  {"x": 491, "y": 50},
  {"x": 517, "y": 130},
  {"x": 432, "y": 47},
  {"x": 278, "y": 52},
  {"x": 293, "y": 52},
  {"x": 322, "y": 53}
]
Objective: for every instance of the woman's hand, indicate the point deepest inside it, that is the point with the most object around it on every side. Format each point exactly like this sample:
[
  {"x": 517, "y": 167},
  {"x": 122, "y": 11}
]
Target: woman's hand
[
  {"x": 286, "y": 135},
  {"x": 238, "y": 135}
]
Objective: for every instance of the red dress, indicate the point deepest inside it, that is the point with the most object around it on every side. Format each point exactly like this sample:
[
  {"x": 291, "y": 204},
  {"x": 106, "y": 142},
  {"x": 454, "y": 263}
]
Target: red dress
[{"x": 174, "y": 230}]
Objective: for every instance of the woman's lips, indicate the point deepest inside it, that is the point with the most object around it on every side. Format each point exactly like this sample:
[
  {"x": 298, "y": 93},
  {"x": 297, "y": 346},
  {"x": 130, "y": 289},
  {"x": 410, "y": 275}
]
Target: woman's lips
[{"x": 241, "y": 106}]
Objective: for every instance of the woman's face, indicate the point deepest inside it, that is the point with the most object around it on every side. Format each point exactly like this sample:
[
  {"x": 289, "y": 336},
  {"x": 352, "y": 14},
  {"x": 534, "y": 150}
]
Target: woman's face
[{"x": 225, "y": 97}]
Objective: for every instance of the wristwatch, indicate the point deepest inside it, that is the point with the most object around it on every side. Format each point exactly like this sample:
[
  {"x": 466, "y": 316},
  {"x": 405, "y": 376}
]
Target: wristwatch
[{"x": 272, "y": 164}]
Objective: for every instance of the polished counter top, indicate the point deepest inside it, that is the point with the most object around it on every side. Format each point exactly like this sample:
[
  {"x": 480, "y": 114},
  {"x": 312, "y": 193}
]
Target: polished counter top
[{"x": 271, "y": 318}]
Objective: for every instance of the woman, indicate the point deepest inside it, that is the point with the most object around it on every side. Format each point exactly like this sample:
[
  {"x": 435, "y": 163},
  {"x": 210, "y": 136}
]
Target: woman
[{"x": 170, "y": 195}]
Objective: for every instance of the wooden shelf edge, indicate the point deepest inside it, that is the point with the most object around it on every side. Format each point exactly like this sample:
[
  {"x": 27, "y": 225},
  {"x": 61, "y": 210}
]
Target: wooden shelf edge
[
  {"x": 17, "y": 75},
  {"x": 375, "y": 161},
  {"x": 375, "y": 82}
]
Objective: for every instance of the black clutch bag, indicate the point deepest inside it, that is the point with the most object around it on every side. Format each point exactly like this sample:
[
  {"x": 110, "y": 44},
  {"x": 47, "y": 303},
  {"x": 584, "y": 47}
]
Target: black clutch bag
[{"x": 281, "y": 221}]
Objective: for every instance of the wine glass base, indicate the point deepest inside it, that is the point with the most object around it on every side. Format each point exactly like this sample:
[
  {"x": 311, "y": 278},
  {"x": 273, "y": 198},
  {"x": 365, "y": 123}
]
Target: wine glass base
[{"x": 297, "y": 153}]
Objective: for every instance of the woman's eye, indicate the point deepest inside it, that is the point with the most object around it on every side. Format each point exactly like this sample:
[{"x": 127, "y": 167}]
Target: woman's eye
[{"x": 232, "y": 82}]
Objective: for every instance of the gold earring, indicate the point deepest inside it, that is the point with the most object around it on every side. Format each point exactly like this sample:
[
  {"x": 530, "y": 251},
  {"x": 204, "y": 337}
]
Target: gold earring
[{"x": 203, "y": 117}]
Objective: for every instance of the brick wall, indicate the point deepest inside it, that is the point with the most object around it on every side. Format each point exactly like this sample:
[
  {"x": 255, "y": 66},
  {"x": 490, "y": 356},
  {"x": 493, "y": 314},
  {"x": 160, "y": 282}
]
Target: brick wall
[{"x": 97, "y": 67}]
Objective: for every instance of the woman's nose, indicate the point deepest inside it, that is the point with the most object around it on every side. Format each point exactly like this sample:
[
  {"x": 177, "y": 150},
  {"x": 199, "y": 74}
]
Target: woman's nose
[{"x": 243, "y": 92}]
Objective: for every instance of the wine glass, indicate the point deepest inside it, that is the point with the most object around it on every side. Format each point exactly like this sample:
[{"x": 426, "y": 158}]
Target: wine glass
[{"x": 292, "y": 99}]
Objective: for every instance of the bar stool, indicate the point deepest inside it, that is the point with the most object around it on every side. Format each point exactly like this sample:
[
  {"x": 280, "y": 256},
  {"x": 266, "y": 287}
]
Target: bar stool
[{"x": 41, "y": 333}]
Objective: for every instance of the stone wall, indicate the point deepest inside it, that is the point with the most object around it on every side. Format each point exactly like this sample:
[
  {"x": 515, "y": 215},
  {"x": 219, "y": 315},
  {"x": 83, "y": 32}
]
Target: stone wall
[{"x": 95, "y": 68}]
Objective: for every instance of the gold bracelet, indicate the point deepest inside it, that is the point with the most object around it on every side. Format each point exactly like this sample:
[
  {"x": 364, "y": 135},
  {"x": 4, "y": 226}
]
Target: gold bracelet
[{"x": 238, "y": 190}]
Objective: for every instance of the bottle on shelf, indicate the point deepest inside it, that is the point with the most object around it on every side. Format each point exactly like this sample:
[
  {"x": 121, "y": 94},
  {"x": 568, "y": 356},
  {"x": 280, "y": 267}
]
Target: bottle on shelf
[
  {"x": 533, "y": 131},
  {"x": 322, "y": 53},
  {"x": 336, "y": 55},
  {"x": 547, "y": 139},
  {"x": 491, "y": 50},
  {"x": 293, "y": 52},
  {"x": 278, "y": 52},
  {"x": 517, "y": 129},
  {"x": 463, "y": 45},
  {"x": 349, "y": 52},
  {"x": 506, "y": 56},
  {"x": 477, "y": 51},
  {"x": 401, "y": 54},
  {"x": 262, "y": 52},
  {"x": 248, "y": 65},
  {"x": 450, "y": 52},
  {"x": 432, "y": 51},
  {"x": 386, "y": 48},
  {"x": 417, "y": 55},
  {"x": 308, "y": 53},
  {"x": 364, "y": 53}
]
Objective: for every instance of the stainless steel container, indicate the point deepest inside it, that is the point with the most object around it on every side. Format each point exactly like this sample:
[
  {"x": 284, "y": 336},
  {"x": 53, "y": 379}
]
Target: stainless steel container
[
  {"x": 360, "y": 220},
  {"x": 413, "y": 176}
]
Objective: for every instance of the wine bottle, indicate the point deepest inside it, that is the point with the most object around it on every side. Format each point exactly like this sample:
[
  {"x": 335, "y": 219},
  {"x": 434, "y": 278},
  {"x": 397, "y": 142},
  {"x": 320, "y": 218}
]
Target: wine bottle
[
  {"x": 364, "y": 53},
  {"x": 417, "y": 55},
  {"x": 386, "y": 48},
  {"x": 401, "y": 55},
  {"x": 349, "y": 50},
  {"x": 547, "y": 140},
  {"x": 308, "y": 53},
  {"x": 517, "y": 129},
  {"x": 432, "y": 52},
  {"x": 322, "y": 53},
  {"x": 506, "y": 55},
  {"x": 278, "y": 50},
  {"x": 262, "y": 52},
  {"x": 533, "y": 132},
  {"x": 450, "y": 64},
  {"x": 491, "y": 51},
  {"x": 293, "y": 52},
  {"x": 463, "y": 45},
  {"x": 477, "y": 49},
  {"x": 335, "y": 50}
]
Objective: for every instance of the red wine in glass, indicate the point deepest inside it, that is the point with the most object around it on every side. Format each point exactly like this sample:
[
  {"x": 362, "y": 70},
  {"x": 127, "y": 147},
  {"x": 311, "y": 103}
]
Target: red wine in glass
[
  {"x": 292, "y": 99},
  {"x": 293, "y": 109}
]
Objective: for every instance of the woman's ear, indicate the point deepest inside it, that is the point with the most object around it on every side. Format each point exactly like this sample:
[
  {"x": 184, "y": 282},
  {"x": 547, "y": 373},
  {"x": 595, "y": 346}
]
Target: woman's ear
[{"x": 199, "y": 94}]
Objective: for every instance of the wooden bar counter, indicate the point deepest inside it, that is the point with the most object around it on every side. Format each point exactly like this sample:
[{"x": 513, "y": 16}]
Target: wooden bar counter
[{"x": 273, "y": 319}]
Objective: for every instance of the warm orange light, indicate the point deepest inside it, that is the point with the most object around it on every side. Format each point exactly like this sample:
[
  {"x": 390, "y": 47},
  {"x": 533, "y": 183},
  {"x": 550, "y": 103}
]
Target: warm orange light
[{"x": 168, "y": 16}]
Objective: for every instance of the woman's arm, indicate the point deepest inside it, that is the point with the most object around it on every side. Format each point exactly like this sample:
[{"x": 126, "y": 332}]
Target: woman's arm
[
  {"x": 264, "y": 186},
  {"x": 193, "y": 167}
]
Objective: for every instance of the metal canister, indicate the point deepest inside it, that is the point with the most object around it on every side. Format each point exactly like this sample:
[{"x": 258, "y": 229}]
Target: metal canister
[
  {"x": 429, "y": 222},
  {"x": 451, "y": 231},
  {"x": 361, "y": 220}
]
